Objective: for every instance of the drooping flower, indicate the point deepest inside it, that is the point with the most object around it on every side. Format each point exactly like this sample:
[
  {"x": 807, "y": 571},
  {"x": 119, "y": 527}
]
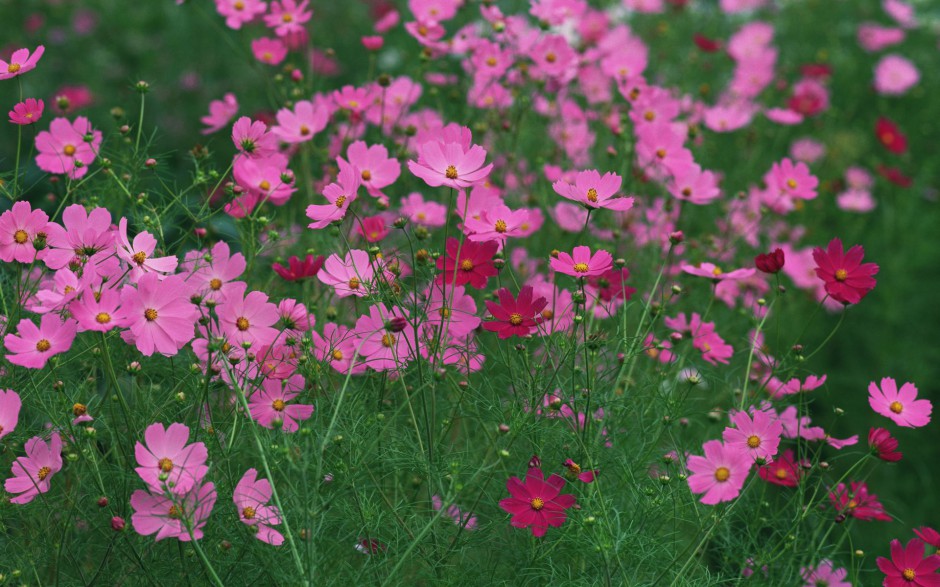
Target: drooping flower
[
  {"x": 10, "y": 404},
  {"x": 883, "y": 445},
  {"x": 900, "y": 405},
  {"x": 908, "y": 567},
  {"x": 537, "y": 502},
  {"x": 20, "y": 227},
  {"x": 593, "y": 191},
  {"x": 22, "y": 61},
  {"x": 32, "y": 347},
  {"x": 173, "y": 517},
  {"x": 63, "y": 148},
  {"x": 846, "y": 278},
  {"x": 167, "y": 462},
  {"x": 220, "y": 113},
  {"x": 515, "y": 316},
  {"x": 29, "y": 111},
  {"x": 720, "y": 474},
  {"x": 33, "y": 473},
  {"x": 756, "y": 437},
  {"x": 573, "y": 471},
  {"x": 251, "y": 497},
  {"x": 824, "y": 575},
  {"x": 270, "y": 408},
  {"x": 158, "y": 314},
  {"x": 581, "y": 263},
  {"x": 858, "y": 503}
]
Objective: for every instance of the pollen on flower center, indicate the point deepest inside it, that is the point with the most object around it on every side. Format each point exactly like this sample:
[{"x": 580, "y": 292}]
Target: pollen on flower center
[
  {"x": 165, "y": 464},
  {"x": 551, "y": 57},
  {"x": 547, "y": 314},
  {"x": 264, "y": 185},
  {"x": 491, "y": 61},
  {"x": 248, "y": 513},
  {"x": 79, "y": 410},
  {"x": 340, "y": 201},
  {"x": 896, "y": 407},
  {"x": 139, "y": 257},
  {"x": 466, "y": 265},
  {"x": 592, "y": 195},
  {"x": 753, "y": 441},
  {"x": 43, "y": 473},
  {"x": 581, "y": 267},
  {"x": 500, "y": 226},
  {"x": 450, "y": 172},
  {"x": 287, "y": 17},
  {"x": 781, "y": 473},
  {"x": 515, "y": 319},
  {"x": 716, "y": 271},
  {"x": 103, "y": 318},
  {"x": 20, "y": 236},
  {"x": 150, "y": 314},
  {"x": 537, "y": 503},
  {"x": 354, "y": 283},
  {"x": 239, "y": 5},
  {"x": 366, "y": 175},
  {"x": 649, "y": 115},
  {"x": 304, "y": 130},
  {"x": 909, "y": 574},
  {"x": 388, "y": 340},
  {"x": 661, "y": 153},
  {"x": 13, "y": 68},
  {"x": 278, "y": 405},
  {"x": 216, "y": 284},
  {"x": 842, "y": 275},
  {"x": 337, "y": 355},
  {"x": 791, "y": 183},
  {"x": 242, "y": 323},
  {"x": 69, "y": 150},
  {"x": 444, "y": 312},
  {"x": 43, "y": 345},
  {"x": 175, "y": 512},
  {"x": 722, "y": 474}
]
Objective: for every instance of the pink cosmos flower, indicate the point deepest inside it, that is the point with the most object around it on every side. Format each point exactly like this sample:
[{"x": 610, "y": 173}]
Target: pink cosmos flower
[
  {"x": 593, "y": 191},
  {"x": 573, "y": 471},
  {"x": 338, "y": 347},
  {"x": 264, "y": 180},
  {"x": 793, "y": 181},
  {"x": 499, "y": 223},
  {"x": 340, "y": 195},
  {"x": 20, "y": 62},
  {"x": 158, "y": 314},
  {"x": 269, "y": 51},
  {"x": 288, "y": 17},
  {"x": 715, "y": 272},
  {"x": 846, "y": 278},
  {"x": 824, "y": 574},
  {"x": 537, "y": 502},
  {"x": 385, "y": 338},
  {"x": 895, "y": 75},
  {"x": 239, "y": 12},
  {"x": 581, "y": 263},
  {"x": 858, "y": 503},
  {"x": 874, "y": 37},
  {"x": 899, "y": 405},
  {"x": 33, "y": 347},
  {"x": 97, "y": 311},
  {"x": 464, "y": 520},
  {"x": 883, "y": 445},
  {"x": 376, "y": 169},
  {"x": 704, "y": 337},
  {"x": 908, "y": 567},
  {"x": 138, "y": 255},
  {"x": 302, "y": 123},
  {"x": 297, "y": 269},
  {"x": 251, "y": 497},
  {"x": 269, "y": 405},
  {"x": 451, "y": 310},
  {"x": 692, "y": 184},
  {"x": 33, "y": 473},
  {"x": 466, "y": 263},
  {"x": 515, "y": 316},
  {"x": 167, "y": 461},
  {"x": 757, "y": 438},
  {"x": 901, "y": 12},
  {"x": 810, "y": 97},
  {"x": 720, "y": 474},
  {"x": 171, "y": 517},
  {"x": 83, "y": 236},
  {"x": 212, "y": 275},
  {"x": 450, "y": 164},
  {"x": 426, "y": 213},
  {"x": 248, "y": 320},
  {"x": 9, "y": 411},
  {"x": 349, "y": 276},
  {"x": 19, "y": 227},
  {"x": 253, "y": 139},
  {"x": 63, "y": 148},
  {"x": 27, "y": 112},
  {"x": 220, "y": 113}
]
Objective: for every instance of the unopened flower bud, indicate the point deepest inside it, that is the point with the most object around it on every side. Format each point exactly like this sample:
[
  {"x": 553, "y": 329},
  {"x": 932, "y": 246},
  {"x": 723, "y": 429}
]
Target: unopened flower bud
[
  {"x": 117, "y": 524},
  {"x": 676, "y": 237}
]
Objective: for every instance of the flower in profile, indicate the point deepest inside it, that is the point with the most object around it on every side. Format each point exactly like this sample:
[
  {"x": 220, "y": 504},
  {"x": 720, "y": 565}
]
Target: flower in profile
[
  {"x": 771, "y": 262},
  {"x": 515, "y": 316},
  {"x": 464, "y": 520},
  {"x": 720, "y": 474},
  {"x": 450, "y": 164},
  {"x": 469, "y": 262},
  {"x": 756, "y": 437},
  {"x": 297, "y": 269},
  {"x": 901, "y": 405},
  {"x": 220, "y": 113},
  {"x": 32, "y": 347},
  {"x": 883, "y": 445},
  {"x": 339, "y": 194},
  {"x": 716, "y": 273},
  {"x": 846, "y": 278},
  {"x": 594, "y": 191},
  {"x": 858, "y": 503},
  {"x": 172, "y": 517},
  {"x": 22, "y": 61},
  {"x": 349, "y": 276},
  {"x": 20, "y": 226},
  {"x": 63, "y": 148},
  {"x": 537, "y": 502},
  {"x": 158, "y": 314},
  {"x": 33, "y": 473},
  {"x": 784, "y": 470},
  {"x": 10, "y": 404},
  {"x": 581, "y": 263},
  {"x": 29, "y": 111},
  {"x": 890, "y": 136},
  {"x": 824, "y": 575},
  {"x": 908, "y": 567},
  {"x": 269, "y": 405},
  {"x": 929, "y": 536},
  {"x": 251, "y": 497},
  {"x": 573, "y": 471}
]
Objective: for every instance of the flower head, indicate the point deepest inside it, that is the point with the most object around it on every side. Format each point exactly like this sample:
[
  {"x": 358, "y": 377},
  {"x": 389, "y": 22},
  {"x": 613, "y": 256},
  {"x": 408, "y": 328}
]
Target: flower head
[
  {"x": 908, "y": 567},
  {"x": 720, "y": 474},
  {"x": 20, "y": 227},
  {"x": 297, "y": 269},
  {"x": 900, "y": 405},
  {"x": 9, "y": 411},
  {"x": 167, "y": 462},
  {"x": 33, "y": 347},
  {"x": 593, "y": 191},
  {"x": 27, "y": 112},
  {"x": 451, "y": 164},
  {"x": 581, "y": 263},
  {"x": 846, "y": 278},
  {"x": 251, "y": 497},
  {"x": 33, "y": 473},
  {"x": 20, "y": 62},
  {"x": 515, "y": 316},
  {"x": 172, "y": 517},
  {"x": 269, "y": 404},
  {"x": 537, "y": 501},
  {"x": 858, "y": 503},
  {"x": 883, "y": 445},
  {"x": 64, "y": 148}
]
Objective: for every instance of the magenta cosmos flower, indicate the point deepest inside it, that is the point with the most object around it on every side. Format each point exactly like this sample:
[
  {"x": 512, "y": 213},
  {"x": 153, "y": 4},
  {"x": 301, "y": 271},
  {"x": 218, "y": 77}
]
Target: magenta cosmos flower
[
  {"x": 299, "y": 269},
  {"x": 158, "y": 314},
  {"x": 29, "y": 111},
  {"x": 288, "y": 17},
  {"x": 173, "y": 517},
  {"x": 720, "y": 474},
  {"x": 515, "y": 316},
  {"x": 901, "y": 405},
  {"x": 537, "y": 501},
  {"x": 19, "y": 227},
  {"x": 63, "y": 148},
  {"x": 908, "y": 567},
  {"x": 269, "y": 405},
  {"x": 20, "y": 62},
  {"x": 9, "y": 411},
  {"x": 883, "y": 445},
  {"x": 757, "y": 438},
  {"x": 450, "y": 164},
  {"x": 166, "y": 461},
  {"x": 33, "y": 473},
  {"x": 467, "y": 263},
  {"x": 847, "y": 279},
  {"x": 32, "y": 346},
  {"x": 581, "y": 263},
  {"x": 858, "y": 502},
  {"x": 251, "y": 497},
  {"x": 593, "y": 191}
]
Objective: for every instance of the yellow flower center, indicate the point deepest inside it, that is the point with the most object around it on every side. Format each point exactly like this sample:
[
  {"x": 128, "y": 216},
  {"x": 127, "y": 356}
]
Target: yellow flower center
[
  {"x": 551, "y": 57},
  {"x": 491, "y": 61},
  {"x": 842, "y": 275},
  {"x": 69, "y": 150},
  {"x": 13, "y": 68},
  {"x": 450, "y": 172},
  {"x": 791, "y": 183},
  {"x": 466, "y": 265},
  {"x": 337, "y": 355},
  {"x": 278, "y": 405},
  {"x": 500, "y": 226},
  {"x": 909, "y": 574},
  {"x": 354, "y": 283},
  {"x": 581, "y": 267},
  {"x": 661, "y": 153},
  {"x": 649, "y": 115},
  {"x": 515, "y": 319},
  {"x": 139, "y": 257},
  {"x": 340, "y": 201},
  {"x": 20, "y": 237},
  {"x": 248, "y": 513},
  {"x": 367, "y": 175},
  {"x": 722, "y": 474},
  {"x": 103, "y": 318},
  {"x": 782, "y": 473},
  {"x": 716, "y": 271},
  {"x": 79, "y": 410},
  {"x": 753, "y": 441},
  {"x": 165, "y": 464},
  {"x": 175, "y": 512},
  {"x": 150, "y": 314},
  {"x": 592, "y": 195},
  {"x": 444, "y": 312},
  {"x": 896, "y": 407},
  {"x": 304, "y": 130},
  {"x": 216, "y": 284},
  {"x": 267, "y": 56},
  {"x": 537, "y": 503},
  {"x": 242, "y": 323},
  {"x": 239, "y": 5},
  {"x": 548, "y": 314},
  {"x": 43, "y": 345},
  {"x": 388, "y": 340},
  {"x": 264, "y": 185},
  {"x": 43, "y": 473},
  {"x": 287, "y": 17}
]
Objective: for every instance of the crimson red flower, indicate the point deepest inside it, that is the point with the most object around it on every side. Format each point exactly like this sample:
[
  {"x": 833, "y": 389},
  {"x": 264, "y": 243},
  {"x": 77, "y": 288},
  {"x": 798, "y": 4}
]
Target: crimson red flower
[
  {"x": 473, "y": 265},
  {"x": 929, "y": 535},
  {"x": 895, "y": 176},
  {"x": 298, "y": 269},
  {"x": 847, "y": 279},
  {"x": 883, "y": 445},
  {"x": 858, "y": 503},
  {"x": 705, "y": 44},
  {"x": 908, "y": 567},
  {"x": 537, "y": 502},
  {"x": 816, "y": 70},
  {"x": 783, "y": 470},
  {"x": 515, "y": 316},
  {"x": 890, "y": 136},
  {"x": 771, "y": 262}
]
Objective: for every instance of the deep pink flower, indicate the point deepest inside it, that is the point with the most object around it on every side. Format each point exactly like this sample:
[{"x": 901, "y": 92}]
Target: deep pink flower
[
  {"x": 10, "y": 404},
  {"x": 339, "y": 194},
  {"x": 63, "y": 148},
  {"x": 139, "y": 254},
  {"x": 20, "y": 226},
  {"x": 239, "y": 12},
  {"x": 167, "y": 461},
  {"x": 269, "y": 405},
  {"x": 20, "y": 62},
  {"x": 581, "y": 263},
  {"x": 593, "y": 191},
  {"x": 537, "y": 502},
  {"x": 220, "y": 113},
  {"x": 158, "y": 314},
  {"x": 883, "y": 445},
  {"x": 33, "y": 346},
  {"x": 720, "y": 474},
  {"x": 758, "y": 438},
  {"x": 172, "y": 518},
  {"x": 268, "y": 50},
  {"x": 858, "y": 503},
  {"x": 349, "y": 276},
  {"x": 466, "y": 263},
  {"x": 450, "y": 164},
  {"x": 771, "y": 262},
  {"x": 908, "y": 567},
  {"x": 297, "y": 269},
  {"x": 515, "y": 316},
  {"x": 27, "y": 112},
  {"x": 824, "y": 575},
  {"x": 253, "y": 138},
  {"x": 33, "y": 473},
  {"x": 846, "y": 278},
  {"x": 929, "y": 536},
  {"x": 288, "y": 17},
  {"x": 251, "y": 497},
  {"x": 784, "y": 470},
  {"x": 900, "y": 405},
  {"x": 372, "y": 228}
]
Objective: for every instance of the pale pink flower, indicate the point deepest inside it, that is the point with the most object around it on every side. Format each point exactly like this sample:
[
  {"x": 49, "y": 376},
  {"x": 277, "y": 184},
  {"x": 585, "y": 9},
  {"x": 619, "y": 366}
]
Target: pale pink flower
[
  {"x": 240, "y": 12},
  {"x": 63, "y": 148},
  {"x": 10, "y": 404},
  {"x": 139, "y": 254},
  {"x": 33, "y": 473},
  {"x": 581, "y": 263},
  {"x": 22, "y": 61},
  {"x": 720, "y": 474},
  {"x": 269, "y": 51},
  {"x": 251, "y": 497},
  {"x": 158, "y": 314},
  {"x": 450, "y": 164},
  {"x": 173, "y": 517},
  {"x": 382, "y": 345},
  {"x": 167, "y": 461},
  {"x": 426, "y": 213},
  {"x": 253, "y": 139},
  {"x": 33, "y": 347},
  {"x": 19, "y": 227},
  {"x": 376, "y": 169},
  {"x": 349, "y": 276},
  {"x": 83, "y": 237},
  {"x": 269, "y": 405},
  {"x": 220, "y": 113},
  {"x": 716, "y": 273},
  {"x": 97, "y": 312},
  {"x": 302, "y": 123},
  {"x": 593, "y": 191},
  {"x": 758, "y": 438},
  {"x": 895, "y": 75},
  {"x": 248, "y": 320},
  {"x": 340, "y": 195}
]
